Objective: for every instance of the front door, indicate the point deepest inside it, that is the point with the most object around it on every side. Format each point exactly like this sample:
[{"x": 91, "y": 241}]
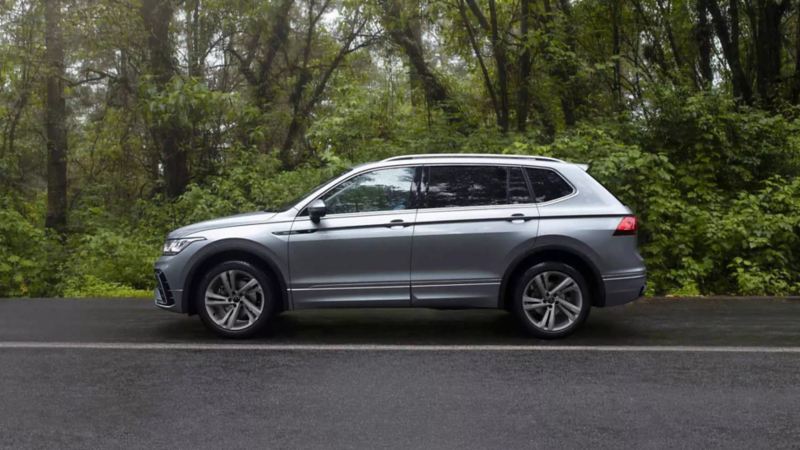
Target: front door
[
  {"x": 470, "y": 222},
  {"x": 359, "y": 254}
]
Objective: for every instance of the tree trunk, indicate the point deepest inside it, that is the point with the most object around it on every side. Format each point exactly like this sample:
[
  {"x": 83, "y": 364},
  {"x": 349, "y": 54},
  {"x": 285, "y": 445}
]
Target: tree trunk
[
  {"x": 729, "y": 40},
  {"x": 673, "y": 45},
  {"x": 55, "y": 120},
  {"x": 168, "y": 135},
  {"x": 523, "y": 94},
  {"x": 704, "y": 35},
  {"x": 277, "y": 40},
  {"x": 195, "y": 51},
  {"x": 398, "y": 29},
  {"x": 414, "y": 80},
  {"x": 616, "y": 18},
  {"x": 499, "y": 50},
  {"x": 473, "y": 41},
  {"x": 796, "y": 87},
  {"x": 570, "y": 98},
  {"x": 768, "y": 39}
]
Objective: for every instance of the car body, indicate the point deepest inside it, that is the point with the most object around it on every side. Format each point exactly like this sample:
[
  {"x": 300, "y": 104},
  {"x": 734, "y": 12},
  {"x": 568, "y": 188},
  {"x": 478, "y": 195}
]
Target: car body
[{"x": 432, "y": 231}]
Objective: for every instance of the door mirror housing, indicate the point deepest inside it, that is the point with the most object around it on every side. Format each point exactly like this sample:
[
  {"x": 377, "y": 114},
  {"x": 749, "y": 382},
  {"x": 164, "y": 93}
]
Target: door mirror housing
[{"x": 317, "y": 210}]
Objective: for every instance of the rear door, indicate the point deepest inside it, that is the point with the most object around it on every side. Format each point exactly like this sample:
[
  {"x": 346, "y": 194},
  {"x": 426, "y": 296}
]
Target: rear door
[{"x": 471, "y": 220}]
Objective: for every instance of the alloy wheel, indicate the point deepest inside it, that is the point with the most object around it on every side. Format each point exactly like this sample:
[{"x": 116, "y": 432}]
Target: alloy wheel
[
  {"x": 552, "y": 301},
  {"x": 234, "y": 300}
]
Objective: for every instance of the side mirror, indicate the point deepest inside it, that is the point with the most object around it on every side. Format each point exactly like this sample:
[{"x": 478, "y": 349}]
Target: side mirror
[{"x": 317, "y": 210}]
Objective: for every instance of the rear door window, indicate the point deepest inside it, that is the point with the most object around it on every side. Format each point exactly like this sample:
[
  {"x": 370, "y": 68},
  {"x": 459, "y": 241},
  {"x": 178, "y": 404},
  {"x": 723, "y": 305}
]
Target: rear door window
[
  {"x": 548, "y": 185},
  {"x": 458, "y": 186}
]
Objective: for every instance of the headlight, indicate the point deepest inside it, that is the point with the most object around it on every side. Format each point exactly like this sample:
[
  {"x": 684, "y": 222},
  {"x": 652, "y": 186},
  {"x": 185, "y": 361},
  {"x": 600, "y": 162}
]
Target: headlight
[{"x": 174, "y": 246}]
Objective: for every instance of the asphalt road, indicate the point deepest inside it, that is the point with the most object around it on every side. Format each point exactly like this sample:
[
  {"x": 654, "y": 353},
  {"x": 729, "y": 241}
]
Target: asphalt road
[{"x": 713, "y": 373}]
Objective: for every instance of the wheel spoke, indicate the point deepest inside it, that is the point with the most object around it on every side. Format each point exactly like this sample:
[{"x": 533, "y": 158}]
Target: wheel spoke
[
  {"x": 248, "y": 286},
  {"x": 250, "y": 316},
  {"x": 551, "y": 324},
  {"x": 541, "y": 284},
  {"x": 567, "y": 282},
  {"x": 225, "y": 317},
  {"x": 226, "y": 282},
  {"x": 218, "y": 303},
  {"x": 529, "y": 303},
  {"x": 215, "y": 296},
  {"x": 250, "y": 307},
  {"x": 231, "y": 322},
  {"x": 570, "y": 315},
  {"x": 545, "y": 318},
  {"x": 567, "y": 305}
]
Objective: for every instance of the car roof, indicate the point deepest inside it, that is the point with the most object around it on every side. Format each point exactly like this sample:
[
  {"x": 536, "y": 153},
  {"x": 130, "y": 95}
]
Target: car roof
[{"x": 470, "y": 158}]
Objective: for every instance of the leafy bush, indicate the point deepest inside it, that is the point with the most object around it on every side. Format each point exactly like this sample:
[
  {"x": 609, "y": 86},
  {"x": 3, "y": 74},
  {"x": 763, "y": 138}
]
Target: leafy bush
[
  {"x": 90, "y": 286},
  {"x": 26, "y": 266},
  {"x": 110, "y": 260}
]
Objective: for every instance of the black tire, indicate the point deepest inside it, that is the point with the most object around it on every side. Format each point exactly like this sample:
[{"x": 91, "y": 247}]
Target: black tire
[
  {"x": 269, "y": 299},
  {"x": 552, "y": 269}
]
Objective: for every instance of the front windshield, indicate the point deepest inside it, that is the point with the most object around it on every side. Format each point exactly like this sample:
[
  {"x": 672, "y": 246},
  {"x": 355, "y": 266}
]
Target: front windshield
[{"x": 289, "y": 204}]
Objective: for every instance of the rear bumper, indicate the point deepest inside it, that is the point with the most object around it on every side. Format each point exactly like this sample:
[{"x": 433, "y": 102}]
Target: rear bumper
[{"x": 621, "y": 289}]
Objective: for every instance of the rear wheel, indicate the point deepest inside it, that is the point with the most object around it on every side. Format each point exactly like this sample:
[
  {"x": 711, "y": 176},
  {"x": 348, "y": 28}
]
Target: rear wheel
[
  {"x": 551, "y": 300},
  {"x": 235, "y": 299}
]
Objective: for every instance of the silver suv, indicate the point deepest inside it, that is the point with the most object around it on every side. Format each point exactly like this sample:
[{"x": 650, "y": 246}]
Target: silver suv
[{"x": 533, "y": 235}]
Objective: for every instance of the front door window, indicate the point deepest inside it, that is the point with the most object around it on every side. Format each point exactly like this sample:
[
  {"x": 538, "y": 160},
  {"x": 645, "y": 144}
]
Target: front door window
[{"x": 379, "y": 190}]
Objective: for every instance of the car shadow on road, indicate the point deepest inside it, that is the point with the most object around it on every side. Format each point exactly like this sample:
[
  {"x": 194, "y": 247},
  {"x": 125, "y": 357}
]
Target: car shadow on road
[{"x": 400, "y": 327}]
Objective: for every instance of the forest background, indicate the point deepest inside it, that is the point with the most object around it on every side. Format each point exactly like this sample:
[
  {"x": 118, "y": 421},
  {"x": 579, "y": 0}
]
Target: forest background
[{"x": 120, "y": 120}]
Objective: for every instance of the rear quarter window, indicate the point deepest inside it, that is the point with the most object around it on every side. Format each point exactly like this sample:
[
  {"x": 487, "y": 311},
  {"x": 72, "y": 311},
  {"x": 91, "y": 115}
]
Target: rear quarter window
[{"x": 548, "y": 185}]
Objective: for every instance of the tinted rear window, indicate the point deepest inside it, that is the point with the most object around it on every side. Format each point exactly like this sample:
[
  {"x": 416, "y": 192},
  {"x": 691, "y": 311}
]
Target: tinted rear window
[
  {"x": 452, "y": 186},
  {"x": 547, "y": 185}
]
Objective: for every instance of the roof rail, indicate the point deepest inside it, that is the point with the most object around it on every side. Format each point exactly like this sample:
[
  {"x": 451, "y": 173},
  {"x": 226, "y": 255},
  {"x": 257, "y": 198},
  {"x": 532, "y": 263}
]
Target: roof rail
[{"x": 471, "y": 155}]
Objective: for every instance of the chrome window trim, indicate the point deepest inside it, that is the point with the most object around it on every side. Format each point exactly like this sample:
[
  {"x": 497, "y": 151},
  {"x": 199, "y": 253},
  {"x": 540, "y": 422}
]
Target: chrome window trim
[
  {"x": 302, "y": 204},
  {"x": 362, "y": 214},
  {"x": 505, "y": 206}
]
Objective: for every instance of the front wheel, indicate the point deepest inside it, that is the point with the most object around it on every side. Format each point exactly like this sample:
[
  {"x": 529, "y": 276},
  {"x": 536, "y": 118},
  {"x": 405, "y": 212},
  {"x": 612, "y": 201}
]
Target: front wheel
[
  {"x": 235, "y": 299},
  {"x": 551, "y": 300}
]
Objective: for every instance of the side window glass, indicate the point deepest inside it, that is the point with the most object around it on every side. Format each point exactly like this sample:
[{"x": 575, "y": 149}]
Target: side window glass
[
  {"x": 547, "y": 185},
  {"x": 452, "y": 186},
  {"x": 517, "y": 187},
  {"x": 379, "y": 190}
]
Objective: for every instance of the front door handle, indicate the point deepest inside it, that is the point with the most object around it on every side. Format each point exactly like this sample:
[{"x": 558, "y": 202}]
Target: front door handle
[
  {"x": 517, "y": 218},
  {"x": 396, "y": 224}
]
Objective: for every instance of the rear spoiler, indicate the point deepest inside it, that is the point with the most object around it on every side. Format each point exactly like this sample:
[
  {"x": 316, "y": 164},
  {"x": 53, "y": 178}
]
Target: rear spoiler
[{"x": 585, "y": 167}]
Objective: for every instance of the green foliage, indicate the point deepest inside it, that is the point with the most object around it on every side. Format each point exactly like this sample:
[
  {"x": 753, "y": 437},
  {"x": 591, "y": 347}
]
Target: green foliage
[
  {"x": 90, "y": 286},
  {"x": 618, "y": 85},
  {"x": 26, "y": 267},
  {"x": 116, "y": 257}
]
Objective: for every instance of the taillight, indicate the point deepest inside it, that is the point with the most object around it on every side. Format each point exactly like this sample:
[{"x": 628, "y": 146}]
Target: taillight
[{"x": 627, "y": 226}]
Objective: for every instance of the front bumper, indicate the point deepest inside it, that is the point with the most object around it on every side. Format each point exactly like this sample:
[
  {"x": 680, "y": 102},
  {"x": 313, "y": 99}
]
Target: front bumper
[
  {"x": 623, "y": 289},
  {"x": 168, "y": 292}
]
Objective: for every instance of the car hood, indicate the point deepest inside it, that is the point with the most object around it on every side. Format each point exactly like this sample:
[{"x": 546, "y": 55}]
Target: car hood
[{"x": 250, "y": 218}]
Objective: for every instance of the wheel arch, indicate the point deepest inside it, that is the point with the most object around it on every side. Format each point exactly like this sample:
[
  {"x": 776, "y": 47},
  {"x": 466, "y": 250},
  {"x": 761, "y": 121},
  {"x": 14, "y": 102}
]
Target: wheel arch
[
  {"x": 229, "y": 250},
  {"x": 555, "y": 253}
]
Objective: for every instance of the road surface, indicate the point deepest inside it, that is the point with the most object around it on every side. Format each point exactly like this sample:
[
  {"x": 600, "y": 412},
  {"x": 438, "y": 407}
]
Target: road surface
[{"x": 716, "y": 373}]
